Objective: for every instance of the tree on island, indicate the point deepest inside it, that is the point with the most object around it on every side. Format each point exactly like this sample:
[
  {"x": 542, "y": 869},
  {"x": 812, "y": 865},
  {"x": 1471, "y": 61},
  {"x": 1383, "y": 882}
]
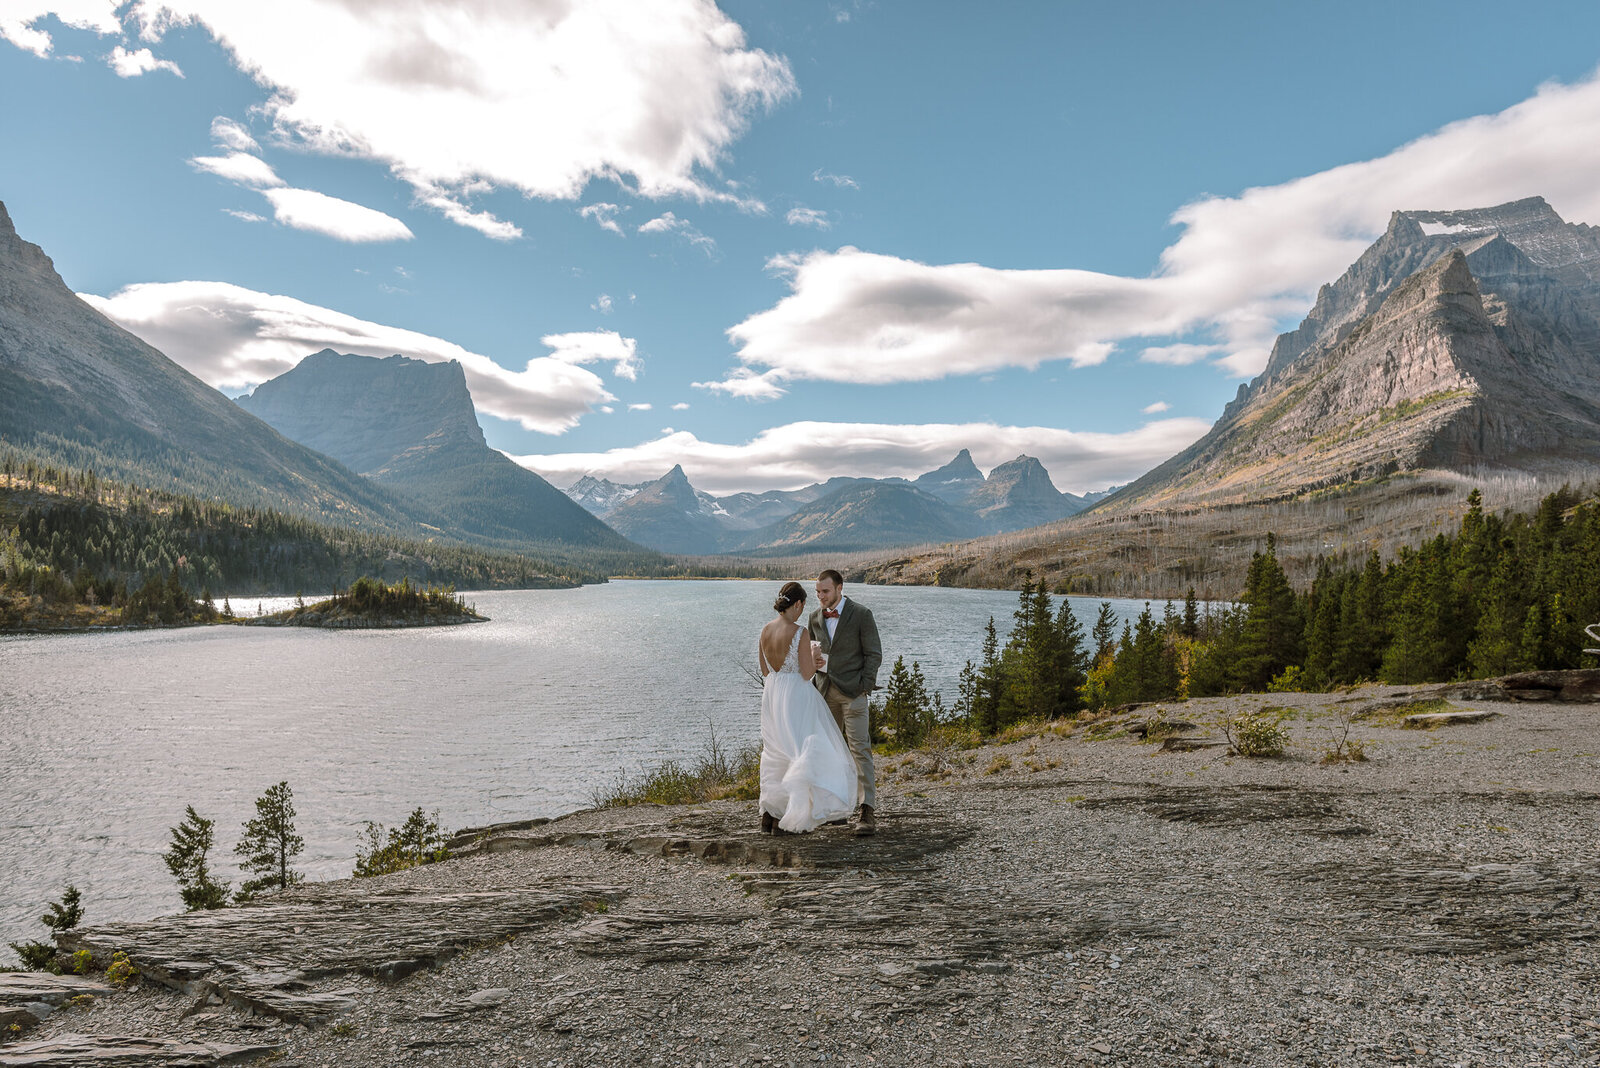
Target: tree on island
[
  {"x": 269, "y": 844},
  {"x": 186, "y": 860}
]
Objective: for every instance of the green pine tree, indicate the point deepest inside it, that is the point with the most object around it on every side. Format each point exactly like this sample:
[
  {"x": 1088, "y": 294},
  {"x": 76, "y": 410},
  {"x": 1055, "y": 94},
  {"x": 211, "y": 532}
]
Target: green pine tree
[
  {"x": 186, "y": 860},
  {"x": 270, "y": 843}
]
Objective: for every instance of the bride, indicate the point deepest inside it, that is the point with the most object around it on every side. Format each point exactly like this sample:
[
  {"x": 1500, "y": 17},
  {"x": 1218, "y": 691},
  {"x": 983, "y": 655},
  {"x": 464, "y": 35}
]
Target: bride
[{"x": 808, "y": 776}]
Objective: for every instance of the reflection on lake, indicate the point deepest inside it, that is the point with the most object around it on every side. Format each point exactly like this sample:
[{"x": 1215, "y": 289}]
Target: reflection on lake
[{"x": 110, "y": 735}]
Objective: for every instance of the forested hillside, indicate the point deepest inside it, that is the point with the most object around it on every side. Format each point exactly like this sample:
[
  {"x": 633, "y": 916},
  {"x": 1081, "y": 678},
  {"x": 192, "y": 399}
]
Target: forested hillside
[
  {"x": 70, "y": 538},
  {"x": 1502, "y": 594}
]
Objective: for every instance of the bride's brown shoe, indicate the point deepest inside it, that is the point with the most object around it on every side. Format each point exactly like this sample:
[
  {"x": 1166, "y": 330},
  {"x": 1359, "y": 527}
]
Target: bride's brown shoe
[{"x": 767, "y": 823}]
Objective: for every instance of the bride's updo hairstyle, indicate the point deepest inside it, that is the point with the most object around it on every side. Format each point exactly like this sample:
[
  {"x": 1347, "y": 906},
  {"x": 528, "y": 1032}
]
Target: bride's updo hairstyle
[{"x": 792, "y": 594}]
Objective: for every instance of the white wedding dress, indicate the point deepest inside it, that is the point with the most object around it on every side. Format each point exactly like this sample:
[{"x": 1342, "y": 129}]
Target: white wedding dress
[{"x": 808, "y": 776}]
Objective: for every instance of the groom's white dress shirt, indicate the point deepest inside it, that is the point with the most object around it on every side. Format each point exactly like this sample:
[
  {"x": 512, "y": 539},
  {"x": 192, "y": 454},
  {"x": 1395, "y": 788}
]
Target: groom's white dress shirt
[{"x": 833, "y": 621}]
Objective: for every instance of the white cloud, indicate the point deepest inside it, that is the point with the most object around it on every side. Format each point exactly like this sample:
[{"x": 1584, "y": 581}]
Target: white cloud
[
  {"x": 644, "y": 406},
  {"x": 18, "y": 18},
  {"x": 743, "y": 382},
  {"x": 1156, "y": 408},
  {"x": 239, "y": 168},
  {"x": 597, "y": 346},
  {"x": 843, "y": 181},
  {"x": 604, "y": 215},
  {"x": 232, "y": 338},
  {"x": 681, "y": 406},
  {"x": 452, "y": 207},
  {"x": 668, "y": 223},
  {"x": 1240, "y": 268},
  {"x": 232, "y": 135},
  {"x": 603, "y": 304},
  {"x": 132, "y": 64},
  {"x": 799, "y": 454},
  {"x": 247, "y": 216},
  {"x": 447, "y": 95},
  {"x": 306, "y": 209},
  {"x": 801, "y": 216},
  {"x": 1179, "y": 355}
]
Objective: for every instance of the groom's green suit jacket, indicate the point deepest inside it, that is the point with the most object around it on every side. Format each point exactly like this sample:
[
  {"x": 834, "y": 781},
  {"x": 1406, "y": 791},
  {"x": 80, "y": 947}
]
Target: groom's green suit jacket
[{"x": 854, "y": 652}]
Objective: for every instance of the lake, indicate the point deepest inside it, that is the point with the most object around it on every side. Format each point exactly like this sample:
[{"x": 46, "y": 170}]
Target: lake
[{"x": 108, "y": 736}]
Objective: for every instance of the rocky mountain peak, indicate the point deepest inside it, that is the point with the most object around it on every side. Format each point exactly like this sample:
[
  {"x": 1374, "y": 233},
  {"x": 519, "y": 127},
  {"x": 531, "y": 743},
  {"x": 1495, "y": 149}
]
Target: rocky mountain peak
[
  {"x": 1458, "y": 340},
  {"x": 367, "y": 412},
  {"x": 22, "y": 263},
  {"x": 954, "y": 481}
]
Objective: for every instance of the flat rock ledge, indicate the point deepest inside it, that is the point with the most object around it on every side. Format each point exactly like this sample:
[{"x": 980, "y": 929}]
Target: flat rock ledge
[
  {"x": 86, "y": 1051},
  {"x": 275, "y": 959},
  {"x": 28, "y": 998}
]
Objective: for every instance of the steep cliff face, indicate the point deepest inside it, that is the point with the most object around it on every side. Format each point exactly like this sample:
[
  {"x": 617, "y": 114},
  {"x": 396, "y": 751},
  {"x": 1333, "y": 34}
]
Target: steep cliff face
[
  {"x": 369, "y": 413},
  {"x": 410, "y": 425},
  {"x": 1459, "y": 340}
]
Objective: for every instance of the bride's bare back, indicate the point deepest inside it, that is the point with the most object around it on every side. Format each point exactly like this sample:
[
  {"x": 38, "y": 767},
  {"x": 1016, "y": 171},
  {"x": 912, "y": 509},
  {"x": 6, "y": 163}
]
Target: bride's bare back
[{"x": 774, "y": 644}]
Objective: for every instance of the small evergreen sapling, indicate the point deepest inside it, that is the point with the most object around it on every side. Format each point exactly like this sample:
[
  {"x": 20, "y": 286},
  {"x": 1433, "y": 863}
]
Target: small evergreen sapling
[
  {"x": 63, "y": 916},
  {"x": 269, "y": 844},
  {"x": 186, "y": 860}
]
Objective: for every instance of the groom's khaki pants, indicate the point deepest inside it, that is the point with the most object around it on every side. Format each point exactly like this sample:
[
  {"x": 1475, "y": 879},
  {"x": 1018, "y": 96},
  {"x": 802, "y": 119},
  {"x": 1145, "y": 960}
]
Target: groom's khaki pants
[{"x": 850, "y": 713}]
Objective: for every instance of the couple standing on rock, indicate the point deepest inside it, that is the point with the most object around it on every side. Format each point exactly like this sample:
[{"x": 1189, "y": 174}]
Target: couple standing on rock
[{"x": 816, "y": 741}]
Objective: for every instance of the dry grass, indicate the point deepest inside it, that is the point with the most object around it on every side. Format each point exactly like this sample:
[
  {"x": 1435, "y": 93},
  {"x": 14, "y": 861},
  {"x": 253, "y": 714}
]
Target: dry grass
[{"x": 716, "y": 774}]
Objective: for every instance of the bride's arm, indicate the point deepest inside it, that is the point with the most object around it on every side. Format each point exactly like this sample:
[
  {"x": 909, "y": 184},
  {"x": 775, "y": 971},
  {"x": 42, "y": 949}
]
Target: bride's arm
[
  {"x": 808, "y": 665},
  {"x": 761, "y": 658}
]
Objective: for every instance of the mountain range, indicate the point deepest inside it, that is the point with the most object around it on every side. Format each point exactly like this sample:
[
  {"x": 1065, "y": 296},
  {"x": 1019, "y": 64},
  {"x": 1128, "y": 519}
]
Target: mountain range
[
  {"x": 1459, "y": 341},
  {"x": 952, "y": 503}
]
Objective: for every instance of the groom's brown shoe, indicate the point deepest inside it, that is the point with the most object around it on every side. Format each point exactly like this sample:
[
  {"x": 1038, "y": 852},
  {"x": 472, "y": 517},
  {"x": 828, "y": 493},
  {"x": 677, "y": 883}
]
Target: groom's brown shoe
[{"x": 868, "y": 824}]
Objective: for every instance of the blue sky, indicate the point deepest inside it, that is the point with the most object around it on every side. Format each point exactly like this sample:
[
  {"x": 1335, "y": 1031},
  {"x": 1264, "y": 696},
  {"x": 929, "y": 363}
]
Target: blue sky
[{"x": 1012, "y": 228}]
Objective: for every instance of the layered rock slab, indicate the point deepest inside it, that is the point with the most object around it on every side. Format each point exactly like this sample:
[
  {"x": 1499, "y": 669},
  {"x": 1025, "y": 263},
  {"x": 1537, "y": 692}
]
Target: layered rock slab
[{"x": 272, "y": 957}]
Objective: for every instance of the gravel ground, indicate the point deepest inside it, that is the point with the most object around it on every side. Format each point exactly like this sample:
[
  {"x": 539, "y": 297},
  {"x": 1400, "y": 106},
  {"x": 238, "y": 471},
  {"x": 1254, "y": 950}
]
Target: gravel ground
[{"x": 1099, "y": 901}]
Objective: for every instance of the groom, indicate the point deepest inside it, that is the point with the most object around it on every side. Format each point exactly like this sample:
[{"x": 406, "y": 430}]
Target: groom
[{"x": 849, "y": 638}]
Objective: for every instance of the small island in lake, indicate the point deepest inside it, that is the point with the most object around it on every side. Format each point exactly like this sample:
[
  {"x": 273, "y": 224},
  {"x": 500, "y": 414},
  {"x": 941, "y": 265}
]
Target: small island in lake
[{"x": 369, "y": 603}]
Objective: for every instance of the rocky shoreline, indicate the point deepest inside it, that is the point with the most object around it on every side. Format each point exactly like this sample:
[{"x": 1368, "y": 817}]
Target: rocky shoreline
[{"x": 1076, "y": 894}]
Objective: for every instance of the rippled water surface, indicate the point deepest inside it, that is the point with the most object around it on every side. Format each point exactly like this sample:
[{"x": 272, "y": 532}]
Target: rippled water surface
[{"x": 108, "y": 736}]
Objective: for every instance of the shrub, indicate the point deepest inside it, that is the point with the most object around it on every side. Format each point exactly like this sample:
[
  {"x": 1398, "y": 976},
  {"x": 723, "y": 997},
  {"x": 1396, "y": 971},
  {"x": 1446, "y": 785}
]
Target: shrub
[
  {"x": 1000, "y": 763},
  {"x": 1291, "y": 680},
  {"x": 121, "y": 971},
  {"x": 416, "y": 842},
  {"x": 1256, "y": 734}
]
